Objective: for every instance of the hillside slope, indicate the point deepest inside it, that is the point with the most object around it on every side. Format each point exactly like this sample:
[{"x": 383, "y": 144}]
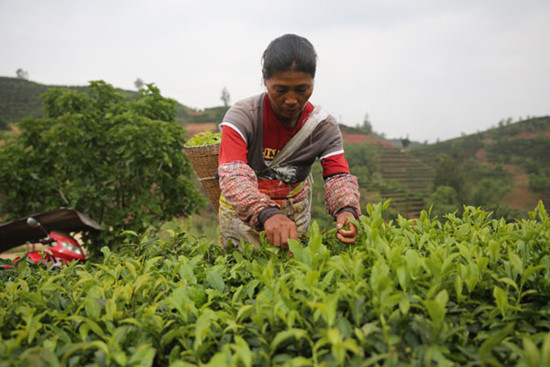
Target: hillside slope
[
  {"x": 405, "y": 180},
  {"x": 20, "y": 99},
  {"x": 517, "y": 155}
]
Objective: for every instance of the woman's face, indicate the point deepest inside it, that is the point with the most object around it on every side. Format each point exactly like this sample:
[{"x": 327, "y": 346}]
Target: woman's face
[{"x": 289, "y": 92}]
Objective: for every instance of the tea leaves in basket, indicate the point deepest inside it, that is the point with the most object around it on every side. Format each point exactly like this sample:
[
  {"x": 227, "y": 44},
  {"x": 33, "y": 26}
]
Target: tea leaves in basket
[{"x": 204, "y": 138}]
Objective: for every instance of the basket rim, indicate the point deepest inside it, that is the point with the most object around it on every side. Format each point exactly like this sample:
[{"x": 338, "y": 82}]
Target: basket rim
[{"x": 200, "y": 146}]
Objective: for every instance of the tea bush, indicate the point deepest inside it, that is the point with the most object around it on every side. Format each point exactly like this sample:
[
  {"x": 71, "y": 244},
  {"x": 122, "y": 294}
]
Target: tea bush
[{"x": 471, "y": 291}]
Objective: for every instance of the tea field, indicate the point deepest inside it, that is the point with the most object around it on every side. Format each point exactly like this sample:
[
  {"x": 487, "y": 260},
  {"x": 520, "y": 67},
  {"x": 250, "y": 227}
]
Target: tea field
[{"x": 469, "y": 290}]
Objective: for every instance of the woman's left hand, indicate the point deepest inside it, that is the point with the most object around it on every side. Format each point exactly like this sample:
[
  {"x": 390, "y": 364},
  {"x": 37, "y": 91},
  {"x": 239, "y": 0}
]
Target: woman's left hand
[{"x": 347, "y": 236}]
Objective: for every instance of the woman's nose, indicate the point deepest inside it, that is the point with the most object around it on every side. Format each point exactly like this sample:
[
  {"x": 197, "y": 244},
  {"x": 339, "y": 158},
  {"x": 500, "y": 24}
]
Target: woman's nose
[{"x": 291, "y": 100}]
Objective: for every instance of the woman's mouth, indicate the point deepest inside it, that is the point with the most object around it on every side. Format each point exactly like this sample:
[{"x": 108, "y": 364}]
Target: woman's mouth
[{"x": 292, "y": 112}]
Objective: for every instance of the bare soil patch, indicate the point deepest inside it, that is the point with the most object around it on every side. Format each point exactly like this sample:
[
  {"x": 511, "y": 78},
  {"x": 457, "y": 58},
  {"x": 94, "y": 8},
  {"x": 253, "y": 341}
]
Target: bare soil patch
[
  {"x": 362, "y": 138},
  {"x": 521, "y": 196},
  {"x": 194, "y": 128}
]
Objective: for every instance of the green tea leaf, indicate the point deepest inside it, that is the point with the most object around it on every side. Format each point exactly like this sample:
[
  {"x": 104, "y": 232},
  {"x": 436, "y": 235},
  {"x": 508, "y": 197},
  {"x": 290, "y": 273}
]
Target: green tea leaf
[
  {"x": 516, "y": 262},
  {"x": 531, "y": 352},
  {"x": 204, "y": 138},
  {"x": 285, "y": 335},
  {"x": 501, "y": 298},
  {"x": 215, "y": 280},
  {"x": 202, "y": 326},
  {"x": 143, "y": 356}
]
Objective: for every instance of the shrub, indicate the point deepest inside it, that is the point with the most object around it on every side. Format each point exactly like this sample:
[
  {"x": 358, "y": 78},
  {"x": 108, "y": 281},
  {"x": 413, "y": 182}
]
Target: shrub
[{"x": 120, "y": 162}]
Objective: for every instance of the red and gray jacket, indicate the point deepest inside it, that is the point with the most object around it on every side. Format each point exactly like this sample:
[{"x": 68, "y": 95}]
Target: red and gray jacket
[{"x": 252, "y": 136}]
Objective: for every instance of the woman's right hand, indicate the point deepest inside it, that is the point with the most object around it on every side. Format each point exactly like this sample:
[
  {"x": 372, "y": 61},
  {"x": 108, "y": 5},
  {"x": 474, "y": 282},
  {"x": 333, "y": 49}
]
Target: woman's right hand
[{"x": 279, "y": 229}]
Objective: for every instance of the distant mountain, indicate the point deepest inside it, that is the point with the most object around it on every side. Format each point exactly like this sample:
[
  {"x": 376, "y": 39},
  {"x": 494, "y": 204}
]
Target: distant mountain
[
  {"x": 505, "y": 169},
  {"x": 515, "y": 155},
  {"x": 20, "y": 99}
]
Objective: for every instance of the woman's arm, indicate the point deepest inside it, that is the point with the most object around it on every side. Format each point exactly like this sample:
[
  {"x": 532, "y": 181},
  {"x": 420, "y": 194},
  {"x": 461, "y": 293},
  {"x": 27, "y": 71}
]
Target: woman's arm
[
  {"x": 238, "y": 182},
  {"x": 239, "y": 185},
  {"x": 342, "y": 194}
]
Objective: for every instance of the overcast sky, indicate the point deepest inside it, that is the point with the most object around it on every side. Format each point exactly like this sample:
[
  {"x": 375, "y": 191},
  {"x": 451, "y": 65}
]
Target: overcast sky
[{"x": 427, "y": 69}]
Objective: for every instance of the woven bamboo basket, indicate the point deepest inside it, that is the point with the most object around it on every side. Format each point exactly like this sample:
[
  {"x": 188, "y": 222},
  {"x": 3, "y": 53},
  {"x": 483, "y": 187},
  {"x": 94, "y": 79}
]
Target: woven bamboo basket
[{"x": 204, "y": 160}]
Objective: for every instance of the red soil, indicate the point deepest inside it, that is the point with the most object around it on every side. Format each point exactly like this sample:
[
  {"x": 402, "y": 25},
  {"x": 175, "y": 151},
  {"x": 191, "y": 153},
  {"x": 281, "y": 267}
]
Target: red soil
[
  {"x": 362, "y": 138},
  {"x": 520, "y": 196},
  {"x": 528, "y": 135},
  {"x": 195, "y": 128}
]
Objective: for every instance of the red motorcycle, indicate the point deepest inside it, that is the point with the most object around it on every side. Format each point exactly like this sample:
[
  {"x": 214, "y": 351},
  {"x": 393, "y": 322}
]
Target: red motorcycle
[{"x": 51, "y": 229}]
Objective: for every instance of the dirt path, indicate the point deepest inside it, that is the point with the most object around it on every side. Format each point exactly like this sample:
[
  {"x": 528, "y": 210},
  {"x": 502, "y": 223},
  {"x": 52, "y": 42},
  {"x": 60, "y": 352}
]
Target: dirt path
[{"x": 520, "y": 196}]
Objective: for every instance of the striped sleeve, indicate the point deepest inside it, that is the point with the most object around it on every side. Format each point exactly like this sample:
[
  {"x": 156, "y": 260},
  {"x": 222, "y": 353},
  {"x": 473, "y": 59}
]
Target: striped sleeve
[
  {"x": 342, "y": 191},
  {"x": 239, "y": 185}
]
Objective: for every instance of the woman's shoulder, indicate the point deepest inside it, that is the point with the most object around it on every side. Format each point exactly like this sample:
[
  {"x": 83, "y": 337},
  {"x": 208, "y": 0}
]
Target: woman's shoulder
[
  {"x": 328, "y": 128},
  {"x": 245, "y": 114},
  {"x": 325, "y": 118},
  {"x": 251, "y": 103}
]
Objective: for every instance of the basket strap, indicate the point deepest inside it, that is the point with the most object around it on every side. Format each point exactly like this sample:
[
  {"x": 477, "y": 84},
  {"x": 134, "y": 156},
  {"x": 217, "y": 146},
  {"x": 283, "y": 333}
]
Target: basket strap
[{"x": 317, "y": 115}]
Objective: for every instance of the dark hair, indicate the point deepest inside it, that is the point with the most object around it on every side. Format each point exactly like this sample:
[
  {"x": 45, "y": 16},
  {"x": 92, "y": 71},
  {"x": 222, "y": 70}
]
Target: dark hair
[{"x": 289, "y": 52}]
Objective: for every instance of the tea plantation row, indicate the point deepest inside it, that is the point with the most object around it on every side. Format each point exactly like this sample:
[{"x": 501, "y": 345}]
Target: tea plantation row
[{"x": 470, "y": 290}]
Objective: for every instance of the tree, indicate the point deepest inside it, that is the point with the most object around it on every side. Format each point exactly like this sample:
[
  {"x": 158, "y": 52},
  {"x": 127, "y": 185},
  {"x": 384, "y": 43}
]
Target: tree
[
  {"x": 225, "y": 97},
  {"x": 139, "y": 83},
  {"x": 119, "y": 161},
  {"x": 22, "y": 74},
  {"x": 443, "y": 200},
  {"x": 405, "y": 142},
  {"x": 367, "y": 126},
  {"x": 449, "y": 172},
  {"x": 489, "y": 192}
]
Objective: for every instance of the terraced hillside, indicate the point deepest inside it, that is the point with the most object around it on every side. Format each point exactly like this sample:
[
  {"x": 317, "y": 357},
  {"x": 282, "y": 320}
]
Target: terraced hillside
[
  {"x": 405, "y": 180},
  {"x": 19, "y": 99},
  {"x": 415, "y": 180},
  {"x": 514, "y": 154}
]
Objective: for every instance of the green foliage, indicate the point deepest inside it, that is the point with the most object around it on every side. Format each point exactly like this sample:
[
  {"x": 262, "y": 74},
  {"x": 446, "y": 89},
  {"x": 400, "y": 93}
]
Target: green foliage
[
  {"x": 540, "y": 181},
  {"x": 489, "y": 192},
  {"x": 463, "y": 147},
  {"x": 529, "y": 125},
  {"x": 362, "y": 160},
  {"x": 121, "y": 162},
  {"x": 443, "y": 200},
  {"x": 449, "y": 172},
  {"x": 536, "y": 149},
  {"x": 204, "y": 138},
  {"x": 472, "y": 291},
  {"x": 533, "y": 154}
]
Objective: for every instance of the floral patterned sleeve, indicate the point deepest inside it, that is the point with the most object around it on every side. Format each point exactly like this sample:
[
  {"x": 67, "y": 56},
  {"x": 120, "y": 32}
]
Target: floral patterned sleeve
[
  {"x": 239, "y": 185},
  {"x": 342, "y": 192}
]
